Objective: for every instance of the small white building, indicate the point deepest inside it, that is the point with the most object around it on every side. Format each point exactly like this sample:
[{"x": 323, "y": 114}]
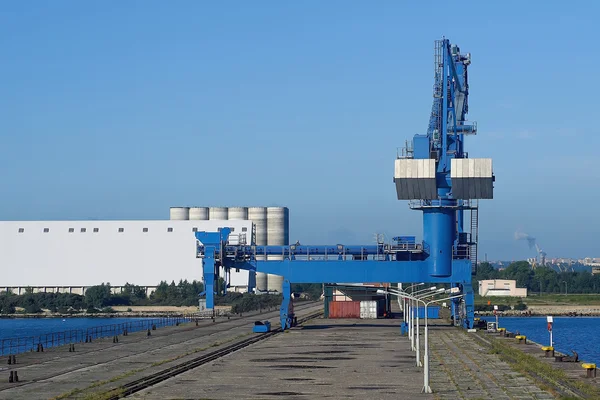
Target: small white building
[{"x": 501, "y": 287}]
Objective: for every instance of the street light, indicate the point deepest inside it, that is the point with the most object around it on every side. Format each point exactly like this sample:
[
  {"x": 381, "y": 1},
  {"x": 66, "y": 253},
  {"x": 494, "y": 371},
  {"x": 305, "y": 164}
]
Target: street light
[
  {"x": 426, "y": 387},
  {"x": 417, "y": 346},
  {"x": 565, "y": 282},
  {"x": 411, "y": 330},
  {"x": 415, "y": 343},
  {"x": 410, "y": 315}
]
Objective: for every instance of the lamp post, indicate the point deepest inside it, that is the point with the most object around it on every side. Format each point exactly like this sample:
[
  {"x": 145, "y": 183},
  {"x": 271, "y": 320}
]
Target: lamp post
[
  {"x": 565, "y": 282},
  {"x": 417, "y": 345},
  {"x": 410, "y": 314},
  {"x": 426, "y": 387}
]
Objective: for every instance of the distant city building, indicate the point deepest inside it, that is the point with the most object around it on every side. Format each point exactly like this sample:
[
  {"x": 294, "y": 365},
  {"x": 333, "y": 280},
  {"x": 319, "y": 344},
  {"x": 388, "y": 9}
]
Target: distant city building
[{"x": 501, "y": 287}]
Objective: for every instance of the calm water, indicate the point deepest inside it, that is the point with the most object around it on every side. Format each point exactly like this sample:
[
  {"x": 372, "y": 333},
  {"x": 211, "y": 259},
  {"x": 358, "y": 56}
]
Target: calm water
[
  {"x": 569, "y": 333},
  {"x": 10, "y": 328}
]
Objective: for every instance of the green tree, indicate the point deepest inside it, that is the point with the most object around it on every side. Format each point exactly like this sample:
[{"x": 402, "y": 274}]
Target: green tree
[
  {"x": 98, "y": 296},
  {"x": 521, "y": 272}
]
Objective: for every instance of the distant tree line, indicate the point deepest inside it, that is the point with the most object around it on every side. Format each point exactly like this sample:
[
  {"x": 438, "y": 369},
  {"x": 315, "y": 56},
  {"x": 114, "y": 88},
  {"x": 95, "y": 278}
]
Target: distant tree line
[
  {"x": 541, "y": 279},
  {"x": 100, "y": 298}
]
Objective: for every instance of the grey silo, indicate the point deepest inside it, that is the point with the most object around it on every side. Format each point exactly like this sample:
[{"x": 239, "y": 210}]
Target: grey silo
[
  {"x": 258, "y": 216},
  {"x": 278, "y": 234},
  {"x": 199, "y": 213},
  {"x": 238, "y": 213},
  {"x": 219, "y": 213},
  {"x": 179, "y": 213}
]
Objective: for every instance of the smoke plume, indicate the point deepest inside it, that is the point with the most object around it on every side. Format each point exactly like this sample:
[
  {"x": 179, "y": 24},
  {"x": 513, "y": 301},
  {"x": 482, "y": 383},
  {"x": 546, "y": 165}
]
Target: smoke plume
[{"x": 525, "y": 236}]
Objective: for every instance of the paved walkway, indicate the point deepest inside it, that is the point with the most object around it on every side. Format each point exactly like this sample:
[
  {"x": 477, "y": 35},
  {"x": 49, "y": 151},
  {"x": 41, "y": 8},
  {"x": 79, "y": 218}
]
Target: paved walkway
[{"x": 462, "y": 369}]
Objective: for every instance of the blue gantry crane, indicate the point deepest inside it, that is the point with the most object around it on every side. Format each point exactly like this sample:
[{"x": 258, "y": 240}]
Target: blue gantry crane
[{"x": 434, "y": 173}]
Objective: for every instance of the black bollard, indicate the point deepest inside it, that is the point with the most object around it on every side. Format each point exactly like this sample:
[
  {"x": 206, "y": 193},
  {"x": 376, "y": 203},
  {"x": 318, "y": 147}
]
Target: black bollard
[
  {"x": 117, "y": 338},
  {"x": 196, "y": 322},
  {"x": 11, "y": 377},
  {"x": 148, "y": 334},
  {"x": 153, "y": 327},
  {"x": 16, "y": 377},
  {"x": 114, "y": 340},
  {"x": 42, "y": 347},
  {"x": 9, "y": 360},
  {"x": 14, "y": 359},
  {"x": 177, "y": 323}
]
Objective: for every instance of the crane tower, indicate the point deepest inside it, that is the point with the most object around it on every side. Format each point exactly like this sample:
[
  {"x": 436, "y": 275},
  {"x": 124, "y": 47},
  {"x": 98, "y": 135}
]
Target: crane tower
[{"x": 434, "y": 173}]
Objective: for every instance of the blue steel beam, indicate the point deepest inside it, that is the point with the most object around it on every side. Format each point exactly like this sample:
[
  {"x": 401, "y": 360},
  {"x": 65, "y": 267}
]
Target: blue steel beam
[{"x": 356, "y": 271}]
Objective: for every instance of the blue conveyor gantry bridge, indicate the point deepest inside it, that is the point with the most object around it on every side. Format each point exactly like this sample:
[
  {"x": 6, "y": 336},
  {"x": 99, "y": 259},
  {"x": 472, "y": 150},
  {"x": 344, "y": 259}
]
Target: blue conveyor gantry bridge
[{"x": 434, "y": 173}]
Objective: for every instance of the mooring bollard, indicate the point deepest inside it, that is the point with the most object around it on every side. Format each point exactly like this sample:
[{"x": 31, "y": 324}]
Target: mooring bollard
[
  {"x": 548, "y": 351},
  {"x": 153, "y": 327},
  {"x": 11, "y": 377},
  {"x": 16, "y": 377},
  {"x": 196, "y": 322},
  {"x": 148, "y": 334},
  {"x": 14, "y": 359},
  {"x": 9, "y": 360}
]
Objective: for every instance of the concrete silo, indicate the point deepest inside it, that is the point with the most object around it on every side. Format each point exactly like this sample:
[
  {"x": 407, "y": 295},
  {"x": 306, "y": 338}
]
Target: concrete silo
[
  {"x": 258, "y": 216},
  {"x": 238, "y": 213},
  {"x": 278, "y": 234},
  {"x": 219, "y": 213},
  {"x": 199, "y": 213},
  {"x": 179, "y": 213}
]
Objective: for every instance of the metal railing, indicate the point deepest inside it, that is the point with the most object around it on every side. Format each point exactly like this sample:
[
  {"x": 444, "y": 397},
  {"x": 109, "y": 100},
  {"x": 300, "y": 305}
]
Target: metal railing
[
  {"x": 24, "y": 344},
  {"x": 461, "y": 252}
]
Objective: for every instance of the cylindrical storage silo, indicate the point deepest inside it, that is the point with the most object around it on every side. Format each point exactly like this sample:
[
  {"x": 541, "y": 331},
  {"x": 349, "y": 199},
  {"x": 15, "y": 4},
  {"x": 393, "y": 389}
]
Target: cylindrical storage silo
[
  {"x": 199, "y": 213},
  {"x": 220, "y": 213},
  {"x": 238, "y": 213},
  {"x": 278, "y": 234},
  {"x": 179, "y": 213},
  {"x": 258, "y": 216},
  {"x": 278, "y": 226}
]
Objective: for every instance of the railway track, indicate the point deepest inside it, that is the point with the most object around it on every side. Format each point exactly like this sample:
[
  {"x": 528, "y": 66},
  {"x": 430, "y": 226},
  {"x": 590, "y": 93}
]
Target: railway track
[
  {"x": 150, "y": 380},
  {"x": 234, "y": 323}
]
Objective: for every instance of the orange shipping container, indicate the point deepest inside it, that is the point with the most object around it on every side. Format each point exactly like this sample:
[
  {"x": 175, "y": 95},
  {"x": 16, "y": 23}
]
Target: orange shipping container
[{"x": 344, "y": 309}]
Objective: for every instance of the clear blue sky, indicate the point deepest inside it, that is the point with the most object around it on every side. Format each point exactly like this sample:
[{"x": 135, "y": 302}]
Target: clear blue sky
[{"x": 118, "y": 110}]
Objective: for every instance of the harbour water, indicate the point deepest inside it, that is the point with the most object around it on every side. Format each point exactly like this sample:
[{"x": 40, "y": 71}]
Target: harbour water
[
  {"x": 27, "y": 334},
  {"x": 15, "y": 327},
  {"x": 568, "y": 333}
]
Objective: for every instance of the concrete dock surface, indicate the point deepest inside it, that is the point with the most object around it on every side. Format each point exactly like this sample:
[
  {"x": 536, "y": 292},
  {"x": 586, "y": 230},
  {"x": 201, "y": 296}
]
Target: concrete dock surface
[
  {"x": 102, "y": 365},
  {"x": 332, "y": 359},
  {"x": 346, "y": 359}
]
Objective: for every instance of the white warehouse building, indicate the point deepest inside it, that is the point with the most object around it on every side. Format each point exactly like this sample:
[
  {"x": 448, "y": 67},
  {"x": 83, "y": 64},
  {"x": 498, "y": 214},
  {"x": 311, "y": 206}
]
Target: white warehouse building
[
  {"x": 68, "y": 256},
  {"x": 85, "y": 253}
]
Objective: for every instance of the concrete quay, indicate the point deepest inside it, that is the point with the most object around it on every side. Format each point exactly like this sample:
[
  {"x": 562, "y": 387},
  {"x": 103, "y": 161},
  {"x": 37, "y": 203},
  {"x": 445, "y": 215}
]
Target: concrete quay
[
  {"x": 350, "y": 359},
  {"x": 334, "y": 359},
  {"x": 103, "y": 365}
]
